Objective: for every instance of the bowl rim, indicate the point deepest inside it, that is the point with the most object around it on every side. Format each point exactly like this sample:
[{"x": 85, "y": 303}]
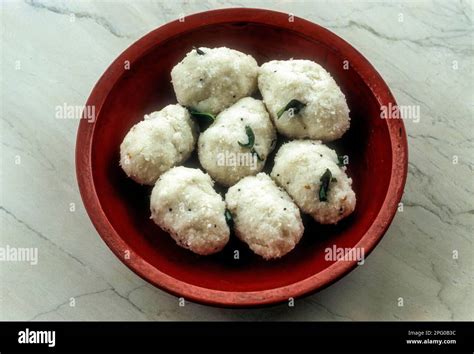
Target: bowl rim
[{"x": 316, "y": 282}]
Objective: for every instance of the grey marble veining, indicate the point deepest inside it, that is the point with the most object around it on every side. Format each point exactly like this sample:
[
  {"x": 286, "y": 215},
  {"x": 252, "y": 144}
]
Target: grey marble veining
[{"x": 53, "y": 52}]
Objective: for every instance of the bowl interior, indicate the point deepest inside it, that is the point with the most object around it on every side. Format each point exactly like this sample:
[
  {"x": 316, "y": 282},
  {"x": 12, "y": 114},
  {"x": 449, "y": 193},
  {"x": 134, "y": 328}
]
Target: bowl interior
[{"x": 146, "y": 87}]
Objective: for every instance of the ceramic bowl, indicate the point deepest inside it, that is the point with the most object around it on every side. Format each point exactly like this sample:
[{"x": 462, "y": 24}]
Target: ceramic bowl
[{"x": 138, "y": 82}]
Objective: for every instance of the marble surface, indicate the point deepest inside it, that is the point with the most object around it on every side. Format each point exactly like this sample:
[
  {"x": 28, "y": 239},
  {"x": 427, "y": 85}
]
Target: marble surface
[{"x": 53, "y": 52}]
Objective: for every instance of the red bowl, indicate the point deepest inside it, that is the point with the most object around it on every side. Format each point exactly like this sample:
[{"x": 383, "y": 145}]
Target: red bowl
[{"x": 119, "y": 208}]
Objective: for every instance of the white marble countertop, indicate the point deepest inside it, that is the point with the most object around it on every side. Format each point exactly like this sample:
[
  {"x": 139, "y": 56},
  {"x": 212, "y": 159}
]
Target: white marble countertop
[{"x": 53, "y": 52}]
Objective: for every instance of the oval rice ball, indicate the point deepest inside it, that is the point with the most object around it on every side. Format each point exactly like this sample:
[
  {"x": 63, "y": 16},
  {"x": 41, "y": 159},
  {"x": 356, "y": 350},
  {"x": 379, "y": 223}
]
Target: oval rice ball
[
  {"x": 164, "y": 139},
  {"x": 320, "y": 110},
  {"x": 264, "y": 216},
  {"x": 185, "y": 204},
  {"x": 301, "y": 168},
  {"x": 210, "y": 80},
  {"x": 224, "y": 150}
]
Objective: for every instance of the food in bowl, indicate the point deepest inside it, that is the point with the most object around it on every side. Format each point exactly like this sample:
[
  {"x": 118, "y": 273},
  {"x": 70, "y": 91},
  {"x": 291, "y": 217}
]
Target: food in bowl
[
  {"x": 263, "y": 215},
  {"x": 238, "y": 143},
  {"x": 212, "y": 79},
  {"x": 184, "y": 203},
  {"x": 162, "y": 140},
  {"x": 311, "y": 174},
  {"x": 303, "y": 100}
]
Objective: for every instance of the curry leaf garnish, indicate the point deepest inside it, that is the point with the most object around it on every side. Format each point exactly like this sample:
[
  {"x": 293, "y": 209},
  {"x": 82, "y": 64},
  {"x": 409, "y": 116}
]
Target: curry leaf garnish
[
  {"x": 294, "y": 105},
  {"x": 250, "y": 143},
  {"x": 199, "y": 51},
  {"x": 325, "y": 179},
  {"x": 250, "y": 136},
  {"x": 340, "y": 160},
  {"x": 207, "y": 116},
  {"x": 228, "y": 218}
]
